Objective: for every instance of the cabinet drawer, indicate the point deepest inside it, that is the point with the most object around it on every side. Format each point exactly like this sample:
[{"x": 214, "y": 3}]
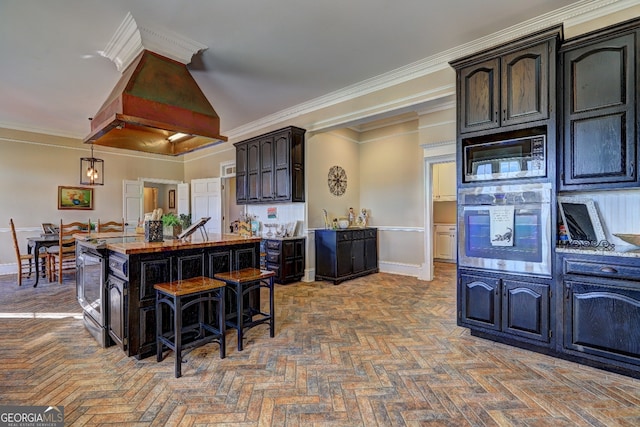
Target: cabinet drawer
[
  {"x": 358, "y": 234},
  {"x": 119, "y": 267},
  {"x": 273, "y": 257},
  {"x": 275, "y": 268},
  {"x": 369, "y": 233},
  {"x": 345, "y": 235},
  {"x": 613, "y": 270},
  {"x": 273, "y": 244}
]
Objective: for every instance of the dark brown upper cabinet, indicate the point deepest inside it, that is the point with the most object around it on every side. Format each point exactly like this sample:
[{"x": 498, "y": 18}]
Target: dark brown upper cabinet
[
  {"x": 509, "y": 85},
  {"x": 270, "y": 167},
  {"x": 600, "y": 118}
]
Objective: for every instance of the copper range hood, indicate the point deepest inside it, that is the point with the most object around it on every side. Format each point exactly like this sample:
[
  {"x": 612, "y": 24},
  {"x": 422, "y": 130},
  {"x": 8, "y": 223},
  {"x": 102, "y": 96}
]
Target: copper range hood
[{"x": 155, "y": 99}]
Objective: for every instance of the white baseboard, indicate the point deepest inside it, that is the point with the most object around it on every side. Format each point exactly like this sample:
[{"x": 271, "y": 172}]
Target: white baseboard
[
  {"x": 413, "y": 270},
  {"x": 309, "y": 275},
  {"x": 8, "y": 269}
]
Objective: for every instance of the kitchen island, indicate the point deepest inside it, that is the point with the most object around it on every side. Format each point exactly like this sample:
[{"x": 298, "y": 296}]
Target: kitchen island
[{"x": 134, "y": 266}]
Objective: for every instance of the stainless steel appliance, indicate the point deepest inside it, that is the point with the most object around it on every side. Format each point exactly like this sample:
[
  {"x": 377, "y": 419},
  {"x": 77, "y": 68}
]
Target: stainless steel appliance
[
  {"x": 524, "y": 157},
  {"x": 91, "y": 289},
  {"x": 529, "y": 251}
]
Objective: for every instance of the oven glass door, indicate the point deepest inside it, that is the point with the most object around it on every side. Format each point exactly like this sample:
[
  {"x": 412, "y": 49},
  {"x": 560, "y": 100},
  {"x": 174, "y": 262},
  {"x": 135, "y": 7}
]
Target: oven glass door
[
  {"x": 90, "y": 282},
  {"x": 531, "y": 249}
]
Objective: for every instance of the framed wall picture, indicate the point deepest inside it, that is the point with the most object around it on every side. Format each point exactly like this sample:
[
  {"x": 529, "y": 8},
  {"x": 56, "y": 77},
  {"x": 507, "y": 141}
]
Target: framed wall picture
[
  {"x": 75, "y": 198},
  {"x": 172, "y": 199}
]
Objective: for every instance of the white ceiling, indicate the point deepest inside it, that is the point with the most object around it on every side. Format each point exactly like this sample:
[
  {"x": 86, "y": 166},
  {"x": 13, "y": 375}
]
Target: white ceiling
[{"x": 263, "y": 56}]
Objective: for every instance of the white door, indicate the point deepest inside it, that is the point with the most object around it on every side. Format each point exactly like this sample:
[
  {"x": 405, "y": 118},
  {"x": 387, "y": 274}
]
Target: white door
[
  {"x": 206, "y": 201},
  {"x": 183, "y": 199},
  {"x": 132, "y": 204}
]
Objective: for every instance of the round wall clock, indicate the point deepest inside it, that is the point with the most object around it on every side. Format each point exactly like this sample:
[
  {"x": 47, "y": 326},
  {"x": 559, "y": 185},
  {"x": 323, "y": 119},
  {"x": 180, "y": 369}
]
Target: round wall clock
[{"x": 337, "y": 181}]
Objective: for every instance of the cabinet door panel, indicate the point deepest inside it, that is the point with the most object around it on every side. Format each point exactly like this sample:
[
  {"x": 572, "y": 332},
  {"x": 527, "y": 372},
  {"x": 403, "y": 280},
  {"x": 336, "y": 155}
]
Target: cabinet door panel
[
  {"x": 253, "y": 171},
  {"x": 189, "y": 266},
  {"x": 153, "y": 272},
  {"x": 357, "y": 252},
  {"x": 604, "y": 158},
  {"x": 282, "y": 177},
  {"x": 117, "y": 326},
  {"x": 266, "y": 168},
  {"x": 600, "y": 141},
  {"x": 147, "y": 329},
  {"x": 241, "y": 173},
  {"x": 343, "y": 257},
  {"x": 525, "y": 82},
  {"x": 219, "y": 262},
  {"x": 590, "y": 90},
  {"x": 480, "y": 301},
  {"x": 603, "y": 320},
  {"x": 479, "y": 96},
  {"x": 526, "y": 309},
  {"x": 371, "y": 253}
]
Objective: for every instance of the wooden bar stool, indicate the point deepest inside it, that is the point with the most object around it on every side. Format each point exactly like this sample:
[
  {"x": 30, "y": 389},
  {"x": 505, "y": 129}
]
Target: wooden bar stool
[
  {"x": 244, "y": 282},
  {"x": 198, "y": 290}
]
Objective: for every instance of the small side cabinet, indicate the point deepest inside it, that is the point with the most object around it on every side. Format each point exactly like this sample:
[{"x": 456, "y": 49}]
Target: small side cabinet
[
  {"x": 285, "y": 258},
  {"x": 346, "y": 254}
]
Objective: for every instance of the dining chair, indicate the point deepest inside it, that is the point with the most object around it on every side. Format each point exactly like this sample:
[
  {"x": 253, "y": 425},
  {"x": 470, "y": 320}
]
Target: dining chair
[
  {"x": 110, "y": 226},
  {"x": 23, "y": 259},
  {"x": 63, "y": 256}
]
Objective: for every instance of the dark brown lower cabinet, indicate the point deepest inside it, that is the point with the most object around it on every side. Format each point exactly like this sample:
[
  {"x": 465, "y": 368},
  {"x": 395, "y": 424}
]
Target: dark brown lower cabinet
[
  {"x": 285, "y": 258},
  {"x": 602, "y": 309},
  {"x": 346, "y": 254},
  {"x": 508, "y": 307},
  {"x": 130, "y": 281}
]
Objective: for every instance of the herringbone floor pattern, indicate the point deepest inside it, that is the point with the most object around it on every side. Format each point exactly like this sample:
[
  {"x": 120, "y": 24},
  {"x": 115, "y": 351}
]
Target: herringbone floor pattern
[{"x": 382, "y": 350}]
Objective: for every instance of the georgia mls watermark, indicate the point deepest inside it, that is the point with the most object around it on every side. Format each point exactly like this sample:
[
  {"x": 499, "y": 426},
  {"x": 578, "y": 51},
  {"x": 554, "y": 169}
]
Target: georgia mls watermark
[{"x": 31, "y": 416}]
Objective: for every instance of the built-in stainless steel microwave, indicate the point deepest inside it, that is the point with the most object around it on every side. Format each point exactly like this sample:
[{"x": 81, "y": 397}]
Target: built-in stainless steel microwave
[{"x": 515, "y": 158}]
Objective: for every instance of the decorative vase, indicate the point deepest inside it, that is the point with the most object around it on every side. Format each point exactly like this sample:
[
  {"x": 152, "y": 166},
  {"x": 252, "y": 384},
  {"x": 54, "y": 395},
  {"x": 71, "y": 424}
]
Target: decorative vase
[{"x": 153, "y": 231}]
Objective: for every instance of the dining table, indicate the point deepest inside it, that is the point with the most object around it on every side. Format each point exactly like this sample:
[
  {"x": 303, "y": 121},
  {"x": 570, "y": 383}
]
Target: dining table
[{"x": 35, "y": 243}]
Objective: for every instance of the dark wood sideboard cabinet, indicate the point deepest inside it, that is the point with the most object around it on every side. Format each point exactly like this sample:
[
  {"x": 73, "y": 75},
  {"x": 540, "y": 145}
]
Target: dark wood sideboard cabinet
[
  {"x": 270, "y": 167},
  {"x": 285, "y": 258},
  {"x": 346, "y": 254},
  {"x": 600, "y": 116}
]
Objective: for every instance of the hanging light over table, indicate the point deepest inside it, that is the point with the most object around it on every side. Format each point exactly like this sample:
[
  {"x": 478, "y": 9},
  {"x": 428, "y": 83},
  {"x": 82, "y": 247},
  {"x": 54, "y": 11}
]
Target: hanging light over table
[{"x": 91, "y": 170}]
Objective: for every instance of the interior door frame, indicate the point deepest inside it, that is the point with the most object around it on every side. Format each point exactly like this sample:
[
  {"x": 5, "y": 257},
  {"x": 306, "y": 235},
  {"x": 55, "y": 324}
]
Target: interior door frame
[
  {"x": 440, "y": 152},
  {"x": 142, "y": 181}
]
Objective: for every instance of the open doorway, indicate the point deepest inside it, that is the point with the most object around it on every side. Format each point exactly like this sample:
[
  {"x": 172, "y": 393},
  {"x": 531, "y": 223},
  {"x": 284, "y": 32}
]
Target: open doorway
[
  {"x": 433, "y": 154},
  {"x": 159, "y": 195},
  {"x": 231, "y": 211}
]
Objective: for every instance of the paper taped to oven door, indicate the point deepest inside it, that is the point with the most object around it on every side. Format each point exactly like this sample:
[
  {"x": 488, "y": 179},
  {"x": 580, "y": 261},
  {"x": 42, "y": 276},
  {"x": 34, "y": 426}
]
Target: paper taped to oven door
[{"x": 501, "y": 225}]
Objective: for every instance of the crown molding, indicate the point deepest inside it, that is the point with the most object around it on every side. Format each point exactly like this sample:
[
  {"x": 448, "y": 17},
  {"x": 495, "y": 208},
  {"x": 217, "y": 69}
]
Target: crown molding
[
  {"x": 130, "y": 40},
  {"x": 582, "y": 10},
  {"x": 125, "y": 45}
]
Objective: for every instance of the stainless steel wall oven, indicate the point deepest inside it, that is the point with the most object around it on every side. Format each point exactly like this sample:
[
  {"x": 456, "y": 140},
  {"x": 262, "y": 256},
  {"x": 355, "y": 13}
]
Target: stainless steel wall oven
[{"x": 528, "y": 249}]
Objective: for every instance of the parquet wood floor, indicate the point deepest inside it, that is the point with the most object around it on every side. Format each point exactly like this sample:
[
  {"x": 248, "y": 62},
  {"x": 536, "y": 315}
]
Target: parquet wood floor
[{"x": 382, "y": 350}]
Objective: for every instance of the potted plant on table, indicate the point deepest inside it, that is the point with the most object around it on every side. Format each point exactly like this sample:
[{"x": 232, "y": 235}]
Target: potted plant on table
[{"x": 171, "y": 225}]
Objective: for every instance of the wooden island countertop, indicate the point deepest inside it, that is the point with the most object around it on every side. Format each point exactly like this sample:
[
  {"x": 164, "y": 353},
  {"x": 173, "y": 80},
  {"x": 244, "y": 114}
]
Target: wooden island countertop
[{"x": 132, "y": 243}]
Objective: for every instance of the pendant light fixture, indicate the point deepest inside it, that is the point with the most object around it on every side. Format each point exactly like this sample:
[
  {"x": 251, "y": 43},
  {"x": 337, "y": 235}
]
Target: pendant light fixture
[{"x": 91, "y": 170}]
